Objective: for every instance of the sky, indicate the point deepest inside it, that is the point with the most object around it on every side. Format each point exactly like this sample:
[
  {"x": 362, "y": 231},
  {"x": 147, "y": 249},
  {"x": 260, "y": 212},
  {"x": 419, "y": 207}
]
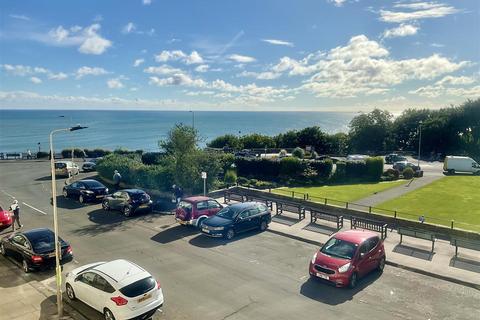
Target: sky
[{"x": 249, "y": 55}]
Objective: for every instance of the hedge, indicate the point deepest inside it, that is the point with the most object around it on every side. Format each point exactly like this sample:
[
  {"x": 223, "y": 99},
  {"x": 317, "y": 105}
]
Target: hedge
[
  {"x": 374, "y": 168},
  {"x": 323, "y": 168},
  {"x": 292, "y": 167},
  {"x": 259, "y": 168}
]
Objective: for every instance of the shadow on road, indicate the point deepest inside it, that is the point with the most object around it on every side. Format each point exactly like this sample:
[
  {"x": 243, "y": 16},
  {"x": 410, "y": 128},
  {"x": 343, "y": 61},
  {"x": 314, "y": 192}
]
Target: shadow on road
[
  {"x": 69, "y": 203},
  {"x": 175, "y": 233},
  {"x": 318, "y": 290},
  {"x": 203, "y": 241},
  {"x": 12, "y": 274},
  {"x": 465, "y": 264},
  {"x": 48, "y": 308}
]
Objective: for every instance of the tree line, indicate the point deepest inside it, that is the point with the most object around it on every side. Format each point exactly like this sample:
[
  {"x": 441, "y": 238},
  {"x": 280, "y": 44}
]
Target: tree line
[{"x": 453, "y": 130}]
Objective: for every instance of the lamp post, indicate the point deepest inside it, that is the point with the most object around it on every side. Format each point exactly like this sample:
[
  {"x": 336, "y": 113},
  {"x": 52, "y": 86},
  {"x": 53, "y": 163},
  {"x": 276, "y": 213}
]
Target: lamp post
[
  {"x": 193, "y": 118},
  {"x": 419, "y": 142},
  {"x": 58, "y": 271}
]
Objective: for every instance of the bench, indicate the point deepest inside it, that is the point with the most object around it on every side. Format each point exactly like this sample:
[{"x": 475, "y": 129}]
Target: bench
[
  {"x": 416, "y": 233},
  {"x": 13, "y": 155},
  {"x": 465, "y": 243},
  {"x": 368, "y": 224},
  {"x": 229, "y": 196},
  {"x": 291, "y": 207},
  {"x": 268, "y": 203},
  {"x": 317, "y": 214}
]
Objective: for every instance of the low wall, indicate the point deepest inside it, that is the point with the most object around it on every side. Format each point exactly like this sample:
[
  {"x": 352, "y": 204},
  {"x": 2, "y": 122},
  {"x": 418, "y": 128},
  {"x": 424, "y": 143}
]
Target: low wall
[{"x": 441, "y": 232}]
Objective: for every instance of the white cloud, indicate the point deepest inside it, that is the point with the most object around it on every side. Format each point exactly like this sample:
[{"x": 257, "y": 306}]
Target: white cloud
[
  {"x": 418, "y": 5},
  {"x": 138, "y": 62},
  {"x": 89, "y": 71},
  {"x": 176, "y": 55},
  {"x": 19, "y": 17},
  {"x": 451, "y": 80},
  {"x": 401, "y": 31},
  {"x": 162, "y": 70},
  {"x": 202, "y": 68},
  {"x": 178, "y": 79},
  {"x": 241, "y": 59},
  {"x": 115, "y": 83},
  {"x": 268, "y": 75},
  {"x": 129, "y": 28},
  {"x": 358, "y": 47},
  {"x": 35, "y": 80},
  {"x": 337, "y": 3},
  {"x": 88, "y": 40},
  {"x": 58, "y": 76},
  {"x": 421, "y": 11},
  {"x": 278, "y": 42},
  {"x": 434, "y": 91},
  {"x": 147, "y": 2}
]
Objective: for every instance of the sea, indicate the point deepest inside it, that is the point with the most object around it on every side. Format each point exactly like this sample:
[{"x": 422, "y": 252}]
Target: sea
[{"x": 22, "y": 130}]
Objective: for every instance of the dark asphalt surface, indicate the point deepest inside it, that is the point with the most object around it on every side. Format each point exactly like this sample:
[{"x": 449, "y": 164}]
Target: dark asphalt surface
[{"x": 255, "y": 276}]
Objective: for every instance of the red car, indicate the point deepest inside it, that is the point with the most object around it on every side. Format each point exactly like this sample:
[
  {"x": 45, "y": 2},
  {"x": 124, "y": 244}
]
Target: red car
[
  {"x": 193, "y": 210},
  {"x": 5, "y": 218},
  {"x": 348, "y": 256}
]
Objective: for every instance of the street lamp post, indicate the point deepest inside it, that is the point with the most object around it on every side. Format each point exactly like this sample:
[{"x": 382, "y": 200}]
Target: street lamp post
[
  {"x": 58, "y": 271},
  {"x": 193, "y": 118},
  {"x": 419, "y": 142}
]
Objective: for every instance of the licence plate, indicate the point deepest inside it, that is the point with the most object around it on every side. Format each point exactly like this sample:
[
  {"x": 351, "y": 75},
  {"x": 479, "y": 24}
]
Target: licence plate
[
  {"x": 98, "y": 197},
  {"x": 148, "y": 296},
  {"x": 323, "y": 276},
  {"x": 144, "y": 206},
  {"x": 51, "y": 255},
  {"x": 205, "y": 230},
  {"x": 182, "y": 222}
]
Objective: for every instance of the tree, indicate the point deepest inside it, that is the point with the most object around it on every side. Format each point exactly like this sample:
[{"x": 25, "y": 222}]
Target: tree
[
  {"x": 313, "y": 136},
  {"x": 369, "y": 132},
  {"x": 255, "y": 140},
  {"x": 298, "y": 153},
  {"x": 337, "y": 144},
  {"x": 227, "y": 140},
  {"x": 288, "y": 139}
]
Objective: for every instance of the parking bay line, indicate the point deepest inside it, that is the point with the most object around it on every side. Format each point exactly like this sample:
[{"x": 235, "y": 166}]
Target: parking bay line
[
  {"x": 8, "y": 194},
  {"x": 34, "y": 208}
]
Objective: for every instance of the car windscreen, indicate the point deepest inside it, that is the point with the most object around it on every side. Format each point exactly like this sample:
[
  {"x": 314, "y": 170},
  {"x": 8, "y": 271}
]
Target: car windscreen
[
  {"x": 93, "y": 184},
  {"x": 138, "y": 195},
  {"x": 339, "y": 248},
  {"x": 60, "y": 165},
  {"x": 228, "y": 213},
  {"x": 43, "y": 243},
  {"x": 138, "y": 288}
]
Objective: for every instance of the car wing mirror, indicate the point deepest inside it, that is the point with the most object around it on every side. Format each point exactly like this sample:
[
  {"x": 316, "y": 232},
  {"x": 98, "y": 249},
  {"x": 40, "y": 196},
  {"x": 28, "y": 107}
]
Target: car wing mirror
[
  {"x": 362, "y": 255},
  {"x": 78, "y": 278}
]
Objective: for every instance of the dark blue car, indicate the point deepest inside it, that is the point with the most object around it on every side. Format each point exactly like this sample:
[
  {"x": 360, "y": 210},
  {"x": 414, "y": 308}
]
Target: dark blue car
[{"x": 237, "y": 218}]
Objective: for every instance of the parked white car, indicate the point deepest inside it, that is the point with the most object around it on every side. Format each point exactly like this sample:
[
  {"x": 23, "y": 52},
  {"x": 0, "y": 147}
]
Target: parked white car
[
  {"x": 119, "y": 289},
  {"x": 454, "y": 164}
]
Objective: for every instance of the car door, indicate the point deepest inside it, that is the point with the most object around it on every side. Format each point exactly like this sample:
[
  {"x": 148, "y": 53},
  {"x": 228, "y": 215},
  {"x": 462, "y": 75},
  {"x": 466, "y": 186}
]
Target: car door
[
  {"x": 115, "y": 200},
  {"x": 373, "y": 254},
  {"x": 213, "y": 207},
  {"x": 84, "y": 288},
  {"x": 75, "y": 190},
  {"x": 19, "y": 247},
  {"x": 242, "y": 222},
  {"x": 254, "y": 217},
  {"x": 201, "y": 210},
  {"x": 362, "y": 261},
  {"x": 103, "y": 291}
]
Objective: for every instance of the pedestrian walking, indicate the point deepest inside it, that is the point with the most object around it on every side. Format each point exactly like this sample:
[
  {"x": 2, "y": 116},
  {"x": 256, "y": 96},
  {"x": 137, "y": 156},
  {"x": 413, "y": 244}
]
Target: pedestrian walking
[
  {"x": 178, "y": 193},
  {"x": 116, "y": 180},
  {"x": 15, "y": 208},
  {"x": 29, "y": 154}
]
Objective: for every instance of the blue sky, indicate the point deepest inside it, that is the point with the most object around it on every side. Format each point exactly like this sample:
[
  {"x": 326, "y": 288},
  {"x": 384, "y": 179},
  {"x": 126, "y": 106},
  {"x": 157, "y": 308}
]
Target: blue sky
[{"x": 324, "y": 55}]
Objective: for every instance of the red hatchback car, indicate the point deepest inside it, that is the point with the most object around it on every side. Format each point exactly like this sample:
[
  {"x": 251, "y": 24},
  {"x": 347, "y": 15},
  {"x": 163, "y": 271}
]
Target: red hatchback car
[
  {"x": 348, "y": 256},
  {"x": 193, "y": 210},
  {"x": 5, "y": 218}
]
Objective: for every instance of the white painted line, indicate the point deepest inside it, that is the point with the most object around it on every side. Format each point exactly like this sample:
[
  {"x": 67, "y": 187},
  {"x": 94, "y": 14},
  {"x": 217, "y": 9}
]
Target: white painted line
[
  {"x": 8, "y": 194},
  {"x": 34, "y": 208}
]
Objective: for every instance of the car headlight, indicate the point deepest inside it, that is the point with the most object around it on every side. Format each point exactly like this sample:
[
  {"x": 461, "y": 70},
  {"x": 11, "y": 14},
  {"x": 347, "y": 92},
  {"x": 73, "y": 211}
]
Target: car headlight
[
  {"x": 344, "y": 268},
  {"x": 217, "y": 228},
  {"x": 106, "y": 190},
  {"x": 88, "y": 192},
  {"x": 314, "y": 258}
]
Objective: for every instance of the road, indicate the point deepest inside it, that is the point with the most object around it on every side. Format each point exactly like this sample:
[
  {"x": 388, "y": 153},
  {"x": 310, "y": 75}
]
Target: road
[{"x": 256, "y": 276}]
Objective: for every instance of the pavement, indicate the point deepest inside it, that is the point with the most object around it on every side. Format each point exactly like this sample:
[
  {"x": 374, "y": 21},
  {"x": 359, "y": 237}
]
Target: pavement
[{"x": 255, "y": 276}]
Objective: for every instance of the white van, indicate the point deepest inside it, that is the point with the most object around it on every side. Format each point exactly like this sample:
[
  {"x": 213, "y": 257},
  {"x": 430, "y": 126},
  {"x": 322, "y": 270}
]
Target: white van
[{"x": 454, "y": 164}]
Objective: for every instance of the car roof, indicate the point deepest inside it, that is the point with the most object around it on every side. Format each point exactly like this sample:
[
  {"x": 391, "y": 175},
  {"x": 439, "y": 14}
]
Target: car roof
[
  {"x": 197, "y": 199},
  {"x": 243, "y": 205},
  {"x": 133, "y": 191},
  {"x": 355, "y": 236},
  {"x": 34, "y": 234},
  {"x": 123, "y": 272}
]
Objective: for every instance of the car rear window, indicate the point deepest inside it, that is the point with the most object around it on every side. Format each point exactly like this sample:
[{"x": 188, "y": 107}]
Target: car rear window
[
  {"x": 43, "y": 244},
  {"x": 185, "y": 205},
  {"x": 60, "y": 165},
  {"x": 138, "y": 288},
  {"x": 138, "y": 195}
]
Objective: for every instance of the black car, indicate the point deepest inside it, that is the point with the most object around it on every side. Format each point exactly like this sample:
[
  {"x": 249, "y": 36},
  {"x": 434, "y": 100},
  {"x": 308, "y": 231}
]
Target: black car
[
  {"x": 87, "y": 190},
  {"x": 401, "y": 165},
  {"x": 35, "y": 249},
  {"x": 88, "y": 166},
  {"x": 128, "y": 201},
  {"x": 237, "y": 218}
]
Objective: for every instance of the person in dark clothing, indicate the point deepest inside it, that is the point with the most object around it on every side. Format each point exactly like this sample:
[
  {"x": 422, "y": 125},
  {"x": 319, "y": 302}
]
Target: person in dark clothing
[
  {"x": 116, "y": 180},
  {"x": 15, "y": 208},
  {"x": 178, "y": 193}
]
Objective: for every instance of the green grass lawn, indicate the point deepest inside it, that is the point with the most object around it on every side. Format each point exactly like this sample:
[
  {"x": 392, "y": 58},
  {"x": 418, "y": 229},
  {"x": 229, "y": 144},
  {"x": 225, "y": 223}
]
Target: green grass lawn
[
  {"x": 450, "y": 198},
  {"x": 342, "y": 192}
]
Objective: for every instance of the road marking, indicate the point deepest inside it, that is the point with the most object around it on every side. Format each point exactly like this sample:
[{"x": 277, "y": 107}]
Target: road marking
[
  {"x": 8, "y": 194},
  {"x": 34, "y": 208}
]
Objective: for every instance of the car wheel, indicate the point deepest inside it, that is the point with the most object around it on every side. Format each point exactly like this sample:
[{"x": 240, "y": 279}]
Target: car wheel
[
  {"x": 65, "y": 193},
  {"x": 127, "y": 211},
  {"x": 263, "y": 226},
  {"x": 2, "y": 250},
  {"x": 105, "y": 205},
  {"x": 230, "y": 234},
  {"x": 353, "y": 280},
  {"x": 381, "y": 264},
  {"x": 70, "y": 292},
  {"x": 200, "y": 222},
  {"x": 25, "y": 267},
  {"x": 81, "y": 199},
  {"x": 451, "y": 171},
  {"x": 108, "y": 315}
]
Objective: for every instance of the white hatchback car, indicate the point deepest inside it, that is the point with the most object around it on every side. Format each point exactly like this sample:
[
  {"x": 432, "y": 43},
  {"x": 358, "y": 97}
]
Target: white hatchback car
[{"x": 119, "y": 289}]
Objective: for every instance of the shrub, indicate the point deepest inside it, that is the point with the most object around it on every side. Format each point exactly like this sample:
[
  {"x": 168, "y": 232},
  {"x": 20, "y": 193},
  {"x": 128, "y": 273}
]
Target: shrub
[
  {"x": 374, "y": 167},
  {"x": 95, "y": 153},
  {"x": 391, "y": 174},
  {"x": 282, "y": 153},
  {"x": 291, "y": 167},
  {"x": 298, "y": 153},
  {"x": 323, "y": 169},
  {"x": 150, "y": 158},
  {"x": 265, "y": 169},
  {"x": 340, "y": 171},
  {"x": 408, "y": 173},
  {"x": 77, "y": 153},
  {"x": 228, "y": 140},
  {"x": 41, "y": 155},
  {"x": 230, "y": 177},
  {"x": 314, "y": 155},
  {"x": 355, "y": 169},
  {"x": 242, "y": 181}
]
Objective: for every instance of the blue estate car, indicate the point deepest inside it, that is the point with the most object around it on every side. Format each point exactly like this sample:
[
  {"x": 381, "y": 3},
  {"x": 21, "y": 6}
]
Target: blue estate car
[{"x": 237, "y": 218}]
